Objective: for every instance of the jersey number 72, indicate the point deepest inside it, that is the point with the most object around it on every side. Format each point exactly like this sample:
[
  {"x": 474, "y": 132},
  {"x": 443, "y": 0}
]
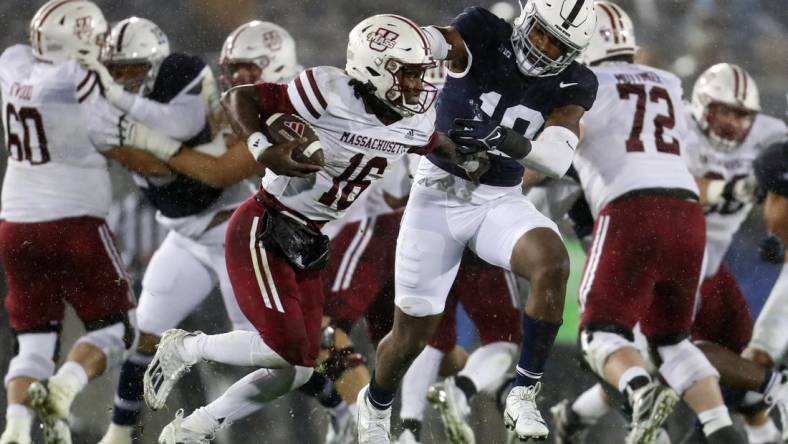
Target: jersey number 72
[{"x": 661, "y": 121}]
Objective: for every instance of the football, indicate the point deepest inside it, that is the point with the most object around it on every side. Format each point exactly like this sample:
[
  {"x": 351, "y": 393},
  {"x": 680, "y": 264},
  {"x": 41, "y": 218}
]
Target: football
[{"x": 281, "y": 128}]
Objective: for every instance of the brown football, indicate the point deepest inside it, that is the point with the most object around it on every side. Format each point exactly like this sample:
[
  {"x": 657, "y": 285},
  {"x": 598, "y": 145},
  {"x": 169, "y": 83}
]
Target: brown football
[{"x": 281, "y": 128}]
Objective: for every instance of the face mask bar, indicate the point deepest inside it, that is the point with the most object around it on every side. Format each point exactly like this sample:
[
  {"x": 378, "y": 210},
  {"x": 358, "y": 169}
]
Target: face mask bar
[
  {"x": 396, "y": 95},
  {"x": 530, "y": 59},
  {"x": 718, "y": 141}
]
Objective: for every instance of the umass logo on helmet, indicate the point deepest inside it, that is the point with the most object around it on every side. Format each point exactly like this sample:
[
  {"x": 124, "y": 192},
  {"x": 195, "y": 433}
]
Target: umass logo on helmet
[{"x": 382, "y": 39}]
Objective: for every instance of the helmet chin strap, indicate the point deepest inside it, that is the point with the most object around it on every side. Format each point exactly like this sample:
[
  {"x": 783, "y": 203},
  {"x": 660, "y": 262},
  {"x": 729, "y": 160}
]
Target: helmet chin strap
[{"x": 379, "y": 107}]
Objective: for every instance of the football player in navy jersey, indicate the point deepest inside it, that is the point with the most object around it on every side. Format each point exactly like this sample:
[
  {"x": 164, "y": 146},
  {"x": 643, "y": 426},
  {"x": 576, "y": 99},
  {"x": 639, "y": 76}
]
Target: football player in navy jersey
[{"x": 514, "y": 99}]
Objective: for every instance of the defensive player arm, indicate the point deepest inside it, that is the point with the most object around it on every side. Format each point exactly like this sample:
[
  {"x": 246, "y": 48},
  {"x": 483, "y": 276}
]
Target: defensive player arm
[
  {"x": 235, "y": 165},
  {"x": 552, "y": 153},
  {"x": 138, "y": 161},
  {"x": 182, "y": 118},
  {"x": 447, "y": 44}
]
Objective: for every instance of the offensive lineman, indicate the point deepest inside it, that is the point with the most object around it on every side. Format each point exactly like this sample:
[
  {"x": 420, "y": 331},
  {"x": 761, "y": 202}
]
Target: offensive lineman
[
  {"x": 507, "y": 85},
  {"x": 632, "y": 173},
  {"x": 55, "y": 246}
]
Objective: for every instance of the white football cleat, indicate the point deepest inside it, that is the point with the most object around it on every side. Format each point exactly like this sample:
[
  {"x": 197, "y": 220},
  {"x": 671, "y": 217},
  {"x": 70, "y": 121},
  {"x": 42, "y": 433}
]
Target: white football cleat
[
  {"x": 166, "y": 368},
  {"x": 17, "y": 431},
  {"x": 651, "y": 406},
  {"x": 522, "y": 414},
  {"x": 51, "y": 400},
  {"x": 453, "y": 407},
  {"x": 374, "y": 426},
  {"x": 118, "y": 434},
  {"x": 175, "y": 433},
  {"x": 342, "y": 426}
]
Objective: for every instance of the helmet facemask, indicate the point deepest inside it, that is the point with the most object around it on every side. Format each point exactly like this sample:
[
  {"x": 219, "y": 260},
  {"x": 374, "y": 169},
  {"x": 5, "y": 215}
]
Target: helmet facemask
[
  {"x": 409, "y": 93},
  {"x": 133, "y": 75},
  {"x": 531, "y": 60},
  {"x": 726, "y": 126}
]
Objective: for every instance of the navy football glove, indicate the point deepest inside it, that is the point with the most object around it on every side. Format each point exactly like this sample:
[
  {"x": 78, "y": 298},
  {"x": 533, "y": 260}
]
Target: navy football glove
[{"x": 474, "y": 136}]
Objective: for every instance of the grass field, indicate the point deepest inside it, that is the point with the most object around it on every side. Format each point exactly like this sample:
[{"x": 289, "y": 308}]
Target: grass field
[{"x": 577, "y": 257}]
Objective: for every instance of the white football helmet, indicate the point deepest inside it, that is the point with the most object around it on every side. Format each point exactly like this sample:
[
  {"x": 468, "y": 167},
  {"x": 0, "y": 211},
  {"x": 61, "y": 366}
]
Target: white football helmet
[
  {"x": 380, "y": 48},
  {"x": 729, "y": 85},
  {"x": 137, "y": 41},
  {"x": 571, "y": 22},
  {"x": 614, "y": 35},
  {"x": 265, "y": 44},
  {"x": 67, "y": 29}
]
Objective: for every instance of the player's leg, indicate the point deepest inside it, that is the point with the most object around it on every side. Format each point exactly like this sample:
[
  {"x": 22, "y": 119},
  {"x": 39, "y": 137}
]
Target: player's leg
[
  {"x": 668, "y": 319},
  {"x": 769, "y": 338},
  {"x": 35, "y": 312},
  {"x": 617, "y": 283},
  {"x": 722, "y": 329},
  {"x": 516, "y": 237},
  {"x": 283, "y": 304},
  {"x": 174, "y": 284},
  {"x": 95, "y": 283},
  {"x": 428, "y": 255}
]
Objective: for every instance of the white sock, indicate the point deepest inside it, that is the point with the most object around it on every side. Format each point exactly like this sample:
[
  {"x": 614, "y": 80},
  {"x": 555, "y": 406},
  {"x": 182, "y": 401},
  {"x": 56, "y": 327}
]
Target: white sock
[
  {"x": 19, "y": 417},
  {"x": 73, "y": 374},
  {"x": 714, "y": 419},
  {"x": 591, "y": 405},
  {"x": 762, "y": 434},
  {"x": 489, "y": 365},
  {"x": 241, "y": 348},
  {"x": 243, "y": 398},
  {"x": 421, "y": 374}
]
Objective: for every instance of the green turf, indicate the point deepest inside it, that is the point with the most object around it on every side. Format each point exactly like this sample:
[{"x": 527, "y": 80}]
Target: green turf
[{"x": 577, "y": 257}]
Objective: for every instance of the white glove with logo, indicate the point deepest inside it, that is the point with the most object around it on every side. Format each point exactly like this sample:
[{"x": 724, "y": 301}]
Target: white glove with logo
[
  {"x": 112, "y": 90},
  {"x": 137, "y": 135}
]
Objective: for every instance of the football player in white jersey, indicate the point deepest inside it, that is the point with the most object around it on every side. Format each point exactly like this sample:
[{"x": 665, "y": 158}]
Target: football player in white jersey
[
  {"x": 255, "y": 51},
  {"x": 55, "y": 246},
  {"x": 190, "y": 261},
  {"x": 366, "y": 117},
  {"x": 631, "y": 170}
]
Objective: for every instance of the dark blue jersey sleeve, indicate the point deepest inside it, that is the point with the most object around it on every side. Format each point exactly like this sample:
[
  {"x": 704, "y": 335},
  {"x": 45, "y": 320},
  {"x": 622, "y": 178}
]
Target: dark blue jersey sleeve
[
  {"x": 176, "y": 73},
  {"x": 578, "y": 86},
  {"x": 481, "y": 30}
]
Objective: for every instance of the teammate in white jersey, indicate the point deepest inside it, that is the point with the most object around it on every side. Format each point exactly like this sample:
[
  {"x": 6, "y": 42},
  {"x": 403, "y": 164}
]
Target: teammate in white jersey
[
  {"x": 633, "y": 175},
  {"x": 190, "y": 262},
  {"x": 366, "y": 117},
  {"x": 55, "y": 245}
]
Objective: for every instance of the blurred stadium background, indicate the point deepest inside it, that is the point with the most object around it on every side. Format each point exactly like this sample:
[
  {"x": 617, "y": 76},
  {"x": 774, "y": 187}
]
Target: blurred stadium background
[{"x": 683, "y": 36}]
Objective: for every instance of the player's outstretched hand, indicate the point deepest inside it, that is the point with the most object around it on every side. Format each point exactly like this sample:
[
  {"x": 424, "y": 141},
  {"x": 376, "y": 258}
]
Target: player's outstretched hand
[
  {"x": 473, "y": 136},
  {"x": 279, "y": 159},
  {"x": 111, "y": 89}
]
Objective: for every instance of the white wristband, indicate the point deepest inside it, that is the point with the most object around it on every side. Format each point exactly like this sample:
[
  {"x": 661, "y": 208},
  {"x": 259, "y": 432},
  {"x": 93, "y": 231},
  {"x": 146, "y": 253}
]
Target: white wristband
[
  {"x": 438, "y": 44},
  {"x": 257, "y": 143}
]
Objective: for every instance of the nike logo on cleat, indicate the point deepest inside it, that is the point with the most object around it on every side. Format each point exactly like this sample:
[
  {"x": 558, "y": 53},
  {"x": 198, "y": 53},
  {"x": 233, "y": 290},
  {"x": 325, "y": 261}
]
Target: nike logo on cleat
[{"x": 565, "y": 85}]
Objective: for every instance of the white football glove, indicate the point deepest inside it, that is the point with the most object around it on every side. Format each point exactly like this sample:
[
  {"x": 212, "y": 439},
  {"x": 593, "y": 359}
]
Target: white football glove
[
  {"x": 744, "y": 189},
  {"x": 137, "y": 135},
  {"x": 112, "y": 90}
]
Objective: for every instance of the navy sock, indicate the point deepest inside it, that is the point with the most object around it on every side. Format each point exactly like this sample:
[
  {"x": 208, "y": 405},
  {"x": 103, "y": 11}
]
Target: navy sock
[
  {"x": 128, "y": 403},
  {"x": 379, "y": 397},
  {"x": 538, "y": 338},
  {"x": 322, "y": 389}
]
